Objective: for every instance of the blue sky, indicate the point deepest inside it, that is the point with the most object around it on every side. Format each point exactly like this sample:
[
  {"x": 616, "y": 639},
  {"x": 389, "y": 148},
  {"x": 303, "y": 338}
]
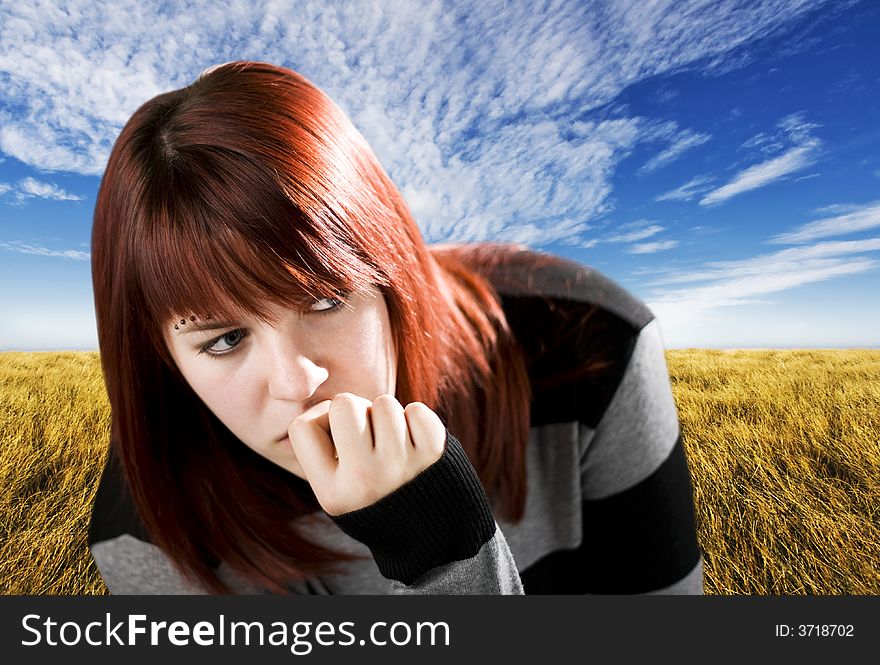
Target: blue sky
[{"x": 719, "y": 160}]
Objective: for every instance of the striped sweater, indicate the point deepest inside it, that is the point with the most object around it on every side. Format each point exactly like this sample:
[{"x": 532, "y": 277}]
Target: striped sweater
[{"x": 609, "y": 507}]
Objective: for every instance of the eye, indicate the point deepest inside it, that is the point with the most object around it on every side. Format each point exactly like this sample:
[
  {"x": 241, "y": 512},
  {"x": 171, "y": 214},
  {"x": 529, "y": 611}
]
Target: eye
[
  {"x": 232, "y": 339},
  {"x": 329, "y": 304}
]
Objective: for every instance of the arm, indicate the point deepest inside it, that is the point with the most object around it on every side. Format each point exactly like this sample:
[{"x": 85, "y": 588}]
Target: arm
[
  {"x": 638, "y": 498},
  {"x": 436, "y": 533}
]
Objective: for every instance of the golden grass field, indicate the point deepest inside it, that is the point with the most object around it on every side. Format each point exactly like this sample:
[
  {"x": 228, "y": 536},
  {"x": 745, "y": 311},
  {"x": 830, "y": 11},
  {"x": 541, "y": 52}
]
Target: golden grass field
[{"x": 784, "y": 449}]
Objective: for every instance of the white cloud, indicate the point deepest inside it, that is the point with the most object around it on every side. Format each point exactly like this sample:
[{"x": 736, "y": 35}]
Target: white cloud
[
  {"x": 22, "y": 248},
  {"x": 793, "y": 129},
  {"x": 763, "y": 174},
  {"x": 4, "y": 187},
  {"x": 474, "y": 124},
  {"x": 853, "y": 219},
  {"x": 684, "y": 141},
  {"x": 691, "y": 189},
  {"x": 765, "y": 143},
  {"x": 651, "y": 247},
  {"x": 639, "y": 234},
  {"x": 786, "y": 260},
  {"x": 796, "y": 127},
  {"x": 29, "y": 188},
  {"x": 690, "y": 307}
]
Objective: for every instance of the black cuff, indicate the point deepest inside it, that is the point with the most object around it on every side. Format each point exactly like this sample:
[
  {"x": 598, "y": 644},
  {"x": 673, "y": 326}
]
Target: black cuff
[{"x": 440, "y": 516}]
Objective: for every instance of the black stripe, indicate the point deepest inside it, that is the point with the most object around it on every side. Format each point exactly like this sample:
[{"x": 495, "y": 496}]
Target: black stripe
[
  {"x": 639, "y": 540},
  {"x": 440, "y": 516},
  {"x": 114, "y": 513},
  {"x": 560, "y": 338}
]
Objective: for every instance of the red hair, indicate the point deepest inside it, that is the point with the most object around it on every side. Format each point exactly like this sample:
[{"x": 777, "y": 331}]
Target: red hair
[{"x": 251, "y": 186}]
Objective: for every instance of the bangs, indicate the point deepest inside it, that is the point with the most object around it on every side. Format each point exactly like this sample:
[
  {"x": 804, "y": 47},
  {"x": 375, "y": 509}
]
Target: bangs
[{"x": 224, "y": 240}]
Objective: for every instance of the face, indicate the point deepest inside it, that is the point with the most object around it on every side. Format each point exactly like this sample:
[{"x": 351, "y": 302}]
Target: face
[{"x": 256, "y": 378}]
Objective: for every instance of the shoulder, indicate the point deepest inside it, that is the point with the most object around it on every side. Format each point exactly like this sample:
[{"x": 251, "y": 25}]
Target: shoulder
[
  {"x": 528, "y": 273},
  {"x": 581, "y": 333}
]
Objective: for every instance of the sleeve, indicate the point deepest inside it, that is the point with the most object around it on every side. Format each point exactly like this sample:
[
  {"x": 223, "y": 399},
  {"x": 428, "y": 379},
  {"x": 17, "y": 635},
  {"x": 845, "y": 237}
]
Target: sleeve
[
  {"x": 638, "y": 499},
  {"x": 436, "y": 533}
]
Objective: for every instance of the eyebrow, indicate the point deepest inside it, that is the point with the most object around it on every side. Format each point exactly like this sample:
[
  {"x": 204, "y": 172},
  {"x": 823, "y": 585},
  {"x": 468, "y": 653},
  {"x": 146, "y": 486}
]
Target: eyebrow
[{"x": 201, "y": 327}]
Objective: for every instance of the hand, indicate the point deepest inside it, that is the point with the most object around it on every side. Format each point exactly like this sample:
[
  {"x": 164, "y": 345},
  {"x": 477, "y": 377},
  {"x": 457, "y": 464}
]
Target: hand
[{"x": 353, "y": 452}]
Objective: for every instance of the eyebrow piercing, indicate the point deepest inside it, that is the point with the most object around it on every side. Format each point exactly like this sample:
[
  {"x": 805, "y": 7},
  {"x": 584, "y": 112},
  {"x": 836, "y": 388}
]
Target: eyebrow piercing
[{"x": 183, "y": 322}]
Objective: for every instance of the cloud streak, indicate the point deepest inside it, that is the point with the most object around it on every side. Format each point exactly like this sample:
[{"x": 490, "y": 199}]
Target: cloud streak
[
  {"x": 23, "y": 248},
  {"x": 860, "y": 218},
  {"x": 685, "y": 141},
  {"x": 731, "y": 283},
  {"x": 786, "y": 260},
  {"x": 797, "y": 131},
  {"x": 763, "y": 174},
  {"x": 652, "y": 247},
  {"x": 639, "y": 234},
  {"x": 31, "y": 188},
  {"x": 688, "y": 191}
]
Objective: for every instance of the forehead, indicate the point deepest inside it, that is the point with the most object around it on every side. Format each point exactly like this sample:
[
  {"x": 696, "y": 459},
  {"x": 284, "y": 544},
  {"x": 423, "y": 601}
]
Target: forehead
[{"x": 264, "y": 310}]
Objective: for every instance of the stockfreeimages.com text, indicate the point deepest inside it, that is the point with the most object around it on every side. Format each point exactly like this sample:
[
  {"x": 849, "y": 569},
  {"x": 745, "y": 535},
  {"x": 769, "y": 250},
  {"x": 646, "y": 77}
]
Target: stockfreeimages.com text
[{"x": 136, "y": 630}]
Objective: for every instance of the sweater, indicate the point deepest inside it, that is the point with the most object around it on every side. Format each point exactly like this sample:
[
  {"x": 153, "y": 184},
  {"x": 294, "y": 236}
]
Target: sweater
[{"x": 609, "y": 505}]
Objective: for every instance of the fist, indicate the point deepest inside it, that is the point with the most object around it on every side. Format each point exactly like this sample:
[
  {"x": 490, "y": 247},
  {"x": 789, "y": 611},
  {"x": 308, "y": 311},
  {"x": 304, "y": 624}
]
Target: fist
[{"x": 353, "y": 452}]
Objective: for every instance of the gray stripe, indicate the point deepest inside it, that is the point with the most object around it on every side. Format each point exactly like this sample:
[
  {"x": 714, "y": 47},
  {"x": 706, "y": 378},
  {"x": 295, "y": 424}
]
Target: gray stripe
[
  {"x": 492, "y": 571},
  {"x": 553, "y": 519},
  {"x": 639, "y": 428},
  {"x": 132, "y": 566}
]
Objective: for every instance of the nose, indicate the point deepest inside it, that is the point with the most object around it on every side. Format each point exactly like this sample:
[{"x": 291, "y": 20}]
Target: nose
[{"x": 294, "y": 372}]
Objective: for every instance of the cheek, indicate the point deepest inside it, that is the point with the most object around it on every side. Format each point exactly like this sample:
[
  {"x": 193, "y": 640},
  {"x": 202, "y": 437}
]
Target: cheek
[
  {"x": 226, "y": 397},
  {"x": 378, "y": 345},
  {"x": 364, "y": 351}
]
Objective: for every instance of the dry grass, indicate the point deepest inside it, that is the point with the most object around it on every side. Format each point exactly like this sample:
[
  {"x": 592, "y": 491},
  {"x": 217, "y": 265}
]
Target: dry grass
[
  {"x": 783, "y": 448},
  {"x": 54, "y": 429}
]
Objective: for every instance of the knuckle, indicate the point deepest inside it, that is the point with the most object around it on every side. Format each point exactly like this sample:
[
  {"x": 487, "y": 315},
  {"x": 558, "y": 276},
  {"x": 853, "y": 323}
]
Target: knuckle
[
  {"x": 349, "y": 401},
  {"x": 386, "y": 400},
  {"x": 342, "y": 398},
  {"x": 417, "y": 410}
]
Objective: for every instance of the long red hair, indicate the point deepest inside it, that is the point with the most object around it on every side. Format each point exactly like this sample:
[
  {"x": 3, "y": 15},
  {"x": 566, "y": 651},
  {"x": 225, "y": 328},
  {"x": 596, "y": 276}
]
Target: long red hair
[{"x": 251, "y": 186}]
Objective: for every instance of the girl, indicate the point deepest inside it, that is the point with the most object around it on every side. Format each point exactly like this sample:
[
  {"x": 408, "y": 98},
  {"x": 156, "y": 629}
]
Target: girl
[{"x": 308, "y": 399}]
